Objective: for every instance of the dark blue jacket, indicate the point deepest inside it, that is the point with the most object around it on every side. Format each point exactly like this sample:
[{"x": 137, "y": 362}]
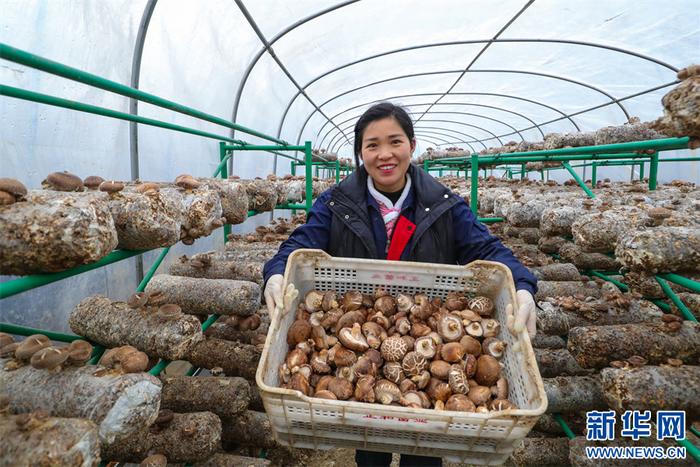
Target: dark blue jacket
[{"x": 345, "y": 221}]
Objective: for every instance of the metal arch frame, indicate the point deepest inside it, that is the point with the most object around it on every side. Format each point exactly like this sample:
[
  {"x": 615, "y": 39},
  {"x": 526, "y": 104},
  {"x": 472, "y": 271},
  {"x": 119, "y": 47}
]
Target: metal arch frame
[
  {"x": 595, "y": 107},
  {"x": 268, "y": 47},
  {"x": 320, "y": 144},
  {"x": 134, "y": 105},
  {"x": 613, "y": 100},
  {"x": 134, "y": 83},
  {"x": 535, "y": 125},
  {"x": 261, "y": 52},
  {"x": 441, "y": 44},
  {"x": 481, "y": 52},
  {"x": 424, "y": 131},
  {"x": 331, "y": 142},
  {"x": 481, "y": 116}
]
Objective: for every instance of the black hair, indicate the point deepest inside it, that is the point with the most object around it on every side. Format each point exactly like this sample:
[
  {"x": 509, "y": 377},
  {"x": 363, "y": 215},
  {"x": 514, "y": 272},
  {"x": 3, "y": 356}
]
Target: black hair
[{"x": 378, "y": 112}]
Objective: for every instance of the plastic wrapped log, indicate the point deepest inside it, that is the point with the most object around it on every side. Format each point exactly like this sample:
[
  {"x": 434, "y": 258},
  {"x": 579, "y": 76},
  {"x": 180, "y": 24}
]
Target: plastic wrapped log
[
  {"x": 248, "y": 429},
  {"x": 53, "y": 231},
  {"x": 646, "y": 285},
  {"x": 49, "y": 441},
  {"x": 599, "y": 231},
  {"x": 226, "y": 397},
  {"x": 583, "y": 260},
  {"x": 119, "y": 404},
  {"x": 552, "y": 319},
  {"x": 186, "y": 438},
  {"x": 542, "y": 452},
  {"x": 222, "y": 459},
  {"x": 681, "y": 110},
  {"x": 234, "y": 198},
  {"x": 558, "y": 362},
  {"x": 551, "y": 245},
  {"x": 262, "y": 194},
  {"x": 233, "y": 358},
  {"x": 206, "y": 296},
  {"x": 634, "y": 131},
  {"x": 292, "y": 190},
  {"x": 653, "y": 388},
  {"x": 216, "y": 268},
  {"x": 530, "y": 235},
  {"x": 556, "y": 272},
  {"x": 228, "y": 332},
  {"x": 579, "y": 457},
  {"x": 544, "y": 341},
  {"x": 203, "y": 213},
  {"x": 527, "y": 214},
  {"x": 251, "y": 252},
  {"x": 112, "y": 324},
  {"x": 557, "y": 221},
  {"x": 147, "y": 221},
  {"x": 597, "y": 346},
  {"x": 562, "y": 140},
  {"x": 661, "y": 249},
  {"x": 567, "y": 288},
  {"x": 574, "y": 393}
]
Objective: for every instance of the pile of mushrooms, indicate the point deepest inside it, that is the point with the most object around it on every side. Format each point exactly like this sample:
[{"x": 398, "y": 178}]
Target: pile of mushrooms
[
  {"x": 404, "y": 350},
  {"x": 37, "y": 351}
]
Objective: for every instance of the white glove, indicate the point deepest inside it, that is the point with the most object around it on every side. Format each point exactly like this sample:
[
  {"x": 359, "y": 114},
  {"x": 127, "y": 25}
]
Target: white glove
[
  {"x": 275, "y": 299},
  {"x": 273, "y": 293},
  {"x": 526, "y": 315}
]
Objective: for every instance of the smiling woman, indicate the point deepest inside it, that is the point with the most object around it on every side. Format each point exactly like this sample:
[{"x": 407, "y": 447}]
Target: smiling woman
[{"x": 390, "y": 209}]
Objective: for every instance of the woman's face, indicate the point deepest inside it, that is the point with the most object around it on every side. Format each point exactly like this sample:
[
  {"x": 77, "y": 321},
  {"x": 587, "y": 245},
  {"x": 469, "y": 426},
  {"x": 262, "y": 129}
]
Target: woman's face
[{"x": 386, "y": 153}]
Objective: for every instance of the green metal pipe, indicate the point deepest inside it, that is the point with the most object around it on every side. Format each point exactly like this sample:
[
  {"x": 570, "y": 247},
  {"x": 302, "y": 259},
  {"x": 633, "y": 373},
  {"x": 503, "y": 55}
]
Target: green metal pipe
[
  {"x": 496, "y": 160},
  {"x": 34, "y": 61},
  {"x": 682, "y": 281},
  {"x": 641, "y": 170},
  {"x": 690, "y": 449},
  {"x": 473, "y": 201},
  {"x": 309, "y": 179},
  {"x": 27, "y": 331},
  {"x": 675, "y": 299},
  {"x": 79, "y": 106},
  {"x": 222, "y": 169},
  {"x": 569, "y": 434},
  {"x": 264, "y": 147},
  {"x": 490, "y": 220},
  {"x": 25, "y": 283},
  {"x": 619, "y": 284},
  {"x": 653, "y": 170},
  {"x": 152, "y": 270},
  {"x": 665, "y": 307},
  {"x": 578, "y": 180},
  {"x": 680, "y": 159},
  {"x": 662, "y": 144},
  {"x": 594, "y": 174},
  {"x": 291, "y": 206}
]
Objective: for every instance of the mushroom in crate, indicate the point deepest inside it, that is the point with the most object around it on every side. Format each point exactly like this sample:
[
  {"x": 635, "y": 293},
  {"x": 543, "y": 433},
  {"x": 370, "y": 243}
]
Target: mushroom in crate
[{"x": 404, "y": 350}]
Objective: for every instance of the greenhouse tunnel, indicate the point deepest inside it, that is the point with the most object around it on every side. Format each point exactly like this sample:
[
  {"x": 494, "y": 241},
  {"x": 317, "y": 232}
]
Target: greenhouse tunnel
[{"x": 472, "y": 75}]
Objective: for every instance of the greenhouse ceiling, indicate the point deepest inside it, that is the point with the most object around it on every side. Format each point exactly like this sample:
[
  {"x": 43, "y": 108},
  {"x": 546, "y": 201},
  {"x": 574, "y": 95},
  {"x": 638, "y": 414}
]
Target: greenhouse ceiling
[{"x": 473, "y": 74}]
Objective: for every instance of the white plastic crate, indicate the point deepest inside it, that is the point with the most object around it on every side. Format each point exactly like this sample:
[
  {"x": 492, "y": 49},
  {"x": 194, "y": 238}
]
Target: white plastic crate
[{"x": 307, "y": 422}]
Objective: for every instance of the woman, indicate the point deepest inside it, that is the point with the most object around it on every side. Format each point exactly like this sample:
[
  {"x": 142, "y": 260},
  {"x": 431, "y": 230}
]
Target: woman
[{"x": 390, "y": 209}]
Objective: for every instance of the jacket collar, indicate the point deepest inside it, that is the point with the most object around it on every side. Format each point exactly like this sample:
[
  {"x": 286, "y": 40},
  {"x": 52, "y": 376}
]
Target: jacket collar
[{"x": 431, "y": 193}]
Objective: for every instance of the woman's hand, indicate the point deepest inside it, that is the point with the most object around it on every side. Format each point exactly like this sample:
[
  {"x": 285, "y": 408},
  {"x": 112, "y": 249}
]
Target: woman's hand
[
  {"x": 273, "y": 293},
  {"x": 526, "y": 316},
  {"x": 275, "y": 298}
]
